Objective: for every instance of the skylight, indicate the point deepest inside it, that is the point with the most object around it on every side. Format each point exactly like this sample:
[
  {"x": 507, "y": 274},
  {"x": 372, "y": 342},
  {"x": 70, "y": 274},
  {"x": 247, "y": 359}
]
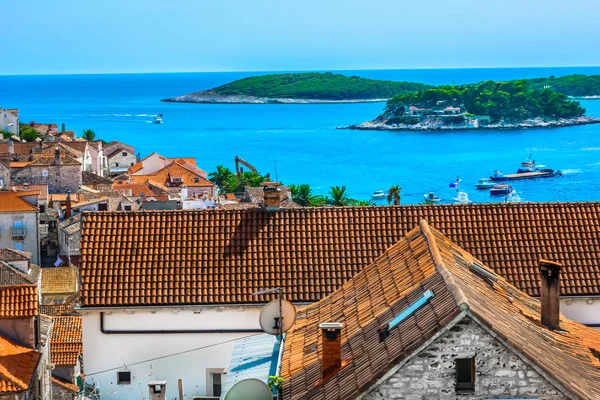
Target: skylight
[
  {"x": 483, "y": 273},
  {"x": 409, "y": 311}
]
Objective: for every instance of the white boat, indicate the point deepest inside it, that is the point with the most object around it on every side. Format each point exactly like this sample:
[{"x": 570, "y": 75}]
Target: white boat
[
  {"x": 378, "y": 195},
  {"x": 484, "y": 183},
  {"x": 431, "y": 198},
  {"x": 157, "y": 119},
  {"x": 462, "y": 198}
]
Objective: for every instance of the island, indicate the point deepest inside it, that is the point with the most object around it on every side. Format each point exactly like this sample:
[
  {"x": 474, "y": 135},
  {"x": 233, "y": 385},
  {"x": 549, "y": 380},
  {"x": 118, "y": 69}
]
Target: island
[
  {"x": 576, "y": 86},
  {"x": 307, "y": 87},
  {"x": 486, "y": 105}
]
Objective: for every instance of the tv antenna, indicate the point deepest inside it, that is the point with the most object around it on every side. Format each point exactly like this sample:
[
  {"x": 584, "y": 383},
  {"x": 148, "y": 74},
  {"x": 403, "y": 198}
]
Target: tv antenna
[{"x": 278, "y": 316}]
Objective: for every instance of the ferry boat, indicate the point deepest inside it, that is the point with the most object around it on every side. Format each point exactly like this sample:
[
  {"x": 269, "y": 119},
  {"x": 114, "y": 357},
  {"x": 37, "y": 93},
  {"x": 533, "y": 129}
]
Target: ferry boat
[
  {"x": 501, "y": 190},
  {"x": 378, "y": 195},
  {"x": 484, "y": 183},
  {"x": 431, "y": 198},
  {"x": 528, "y": 170}
]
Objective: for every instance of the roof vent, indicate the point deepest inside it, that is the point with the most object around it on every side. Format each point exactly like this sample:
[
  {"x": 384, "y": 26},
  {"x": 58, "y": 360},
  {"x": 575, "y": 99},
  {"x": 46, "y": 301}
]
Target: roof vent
[
  {"x": 483, "y": 273},
  {"x": 384, "y": 333}
]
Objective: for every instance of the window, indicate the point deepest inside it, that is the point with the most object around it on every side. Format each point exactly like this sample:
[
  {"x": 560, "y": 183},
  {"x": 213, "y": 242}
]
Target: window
[
  {"x": 132, "y": 164},
  {"x": 176, "y": 179},
  {"x": 44, "y": 173},
  {"x": 465, "y": 374},
  {"x": 196, "y": 180},
  {"x": 124, "y": 378},
  {"x": 102, "y": 207},
  {"x": 117, "y": 164},
  {"x": 18, "y": 224},
  {"x": 124, "y": 154},
  {"x": 19, "y": 245},
  {"x": 213, "y": 381},
  {"x": 127, "y": 208},
  {"x": 42, "y": 208}
]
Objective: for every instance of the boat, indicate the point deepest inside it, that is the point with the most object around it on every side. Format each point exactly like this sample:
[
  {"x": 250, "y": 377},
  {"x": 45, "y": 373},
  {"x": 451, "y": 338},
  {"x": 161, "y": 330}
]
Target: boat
[
  {"x": 528, "y": 170},
  {"x": 484, "y": 183},
  {"x": 378, "y": 195},
  {"x": 157, "y": 119},
  {"x": 501, "y": 190},
  {"x": 462, "y": 198},
  {"x": 431, "y": 198}
]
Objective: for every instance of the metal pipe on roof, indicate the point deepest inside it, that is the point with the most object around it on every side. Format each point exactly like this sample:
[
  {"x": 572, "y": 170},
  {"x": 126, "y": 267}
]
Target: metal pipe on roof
[{"x": 171, "y": 331}]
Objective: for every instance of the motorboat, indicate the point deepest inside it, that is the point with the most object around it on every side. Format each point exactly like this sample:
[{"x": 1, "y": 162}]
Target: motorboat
[
  {"x": 157, "y": 119},
  {"x": 528, "y": 170},
  {"x": 462, "y": 198},
  {"x": 501, "y": 190},
  {"x": 431, "y": 198},
  {"x": 484, "y": 183},
  {"x": 378, "y": 195}
]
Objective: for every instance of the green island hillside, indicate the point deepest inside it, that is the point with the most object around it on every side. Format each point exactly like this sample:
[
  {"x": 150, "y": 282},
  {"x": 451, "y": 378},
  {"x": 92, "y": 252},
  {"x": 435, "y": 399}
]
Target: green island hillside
[
  {"x": 572, "y": 85},
  {"x": 315, "y": 85}
]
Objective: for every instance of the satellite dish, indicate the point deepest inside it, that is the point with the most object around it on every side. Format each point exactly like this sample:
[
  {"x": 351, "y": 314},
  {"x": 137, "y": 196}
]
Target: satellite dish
[
  {"x": 249, "y": 389},
  {"x": 275, "y": 320}
]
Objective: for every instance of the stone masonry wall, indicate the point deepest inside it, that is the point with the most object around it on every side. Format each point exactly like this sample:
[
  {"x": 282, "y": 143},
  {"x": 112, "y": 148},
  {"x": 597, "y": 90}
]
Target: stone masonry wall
[
  {"x": 61, "y": 393},
  {"x": 60, "y": 178},
  {"x": 499, "y": 372}
]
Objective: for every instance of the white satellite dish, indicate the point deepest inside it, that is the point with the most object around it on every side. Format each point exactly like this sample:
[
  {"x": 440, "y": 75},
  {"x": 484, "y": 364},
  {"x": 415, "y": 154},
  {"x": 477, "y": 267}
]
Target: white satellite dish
[
  {"x": 276, "y": 319},
  {"x": 249, "y": 389}
]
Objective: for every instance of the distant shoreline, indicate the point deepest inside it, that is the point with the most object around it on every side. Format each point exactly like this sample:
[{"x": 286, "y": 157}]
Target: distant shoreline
[
  {"x": 210, "y": 97},
  {"x": 536, "y": 123}
]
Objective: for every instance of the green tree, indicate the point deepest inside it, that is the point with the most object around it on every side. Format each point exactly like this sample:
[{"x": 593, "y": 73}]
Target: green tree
[
  {"x": 339, "y": 196},
  {"x": 27, "y": 133},
  {"x": 220, "y": 176},
  {"x": 303, "y": 195},
  {"x": 364, "y": 203},
  {"x": 89, "y": 135},
  {"x": 394, "y": 195}
]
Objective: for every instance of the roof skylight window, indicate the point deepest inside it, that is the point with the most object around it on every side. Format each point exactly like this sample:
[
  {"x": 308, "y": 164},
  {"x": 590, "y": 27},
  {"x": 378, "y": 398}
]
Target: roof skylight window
[
  {"x": 483, "y": 273},
  {"x": 409, "y": 311}
]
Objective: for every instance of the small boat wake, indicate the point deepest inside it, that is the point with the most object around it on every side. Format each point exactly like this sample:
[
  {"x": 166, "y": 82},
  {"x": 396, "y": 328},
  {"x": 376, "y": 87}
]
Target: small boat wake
[{"x": 570, "y": 171}]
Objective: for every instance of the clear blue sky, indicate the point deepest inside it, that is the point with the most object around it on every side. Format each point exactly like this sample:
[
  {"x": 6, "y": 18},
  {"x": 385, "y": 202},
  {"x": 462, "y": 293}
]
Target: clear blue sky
[{"x": 88, "y": 36}]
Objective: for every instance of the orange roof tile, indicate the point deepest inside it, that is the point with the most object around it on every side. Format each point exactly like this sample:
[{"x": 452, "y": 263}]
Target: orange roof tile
[
  {"x": 14, "y": 201},
  {"x": 190, "y": 176},
  {"x": 17, "y": 366},
  {"x": 42, "y": 189},
  {"x": 220, "y": 256},
  {"x": 18, "y": 301},
  {"x": 426, "y": 260},
  {"x": 59, "y": 280},
  {"x": 66, "y": 343},
  {"x": 67, "y": 385}
]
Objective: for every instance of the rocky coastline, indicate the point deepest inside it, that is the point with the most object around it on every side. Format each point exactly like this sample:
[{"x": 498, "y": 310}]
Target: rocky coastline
[
  {"x": 533, "y": 123},
  {"x": 211, "y": 97}
]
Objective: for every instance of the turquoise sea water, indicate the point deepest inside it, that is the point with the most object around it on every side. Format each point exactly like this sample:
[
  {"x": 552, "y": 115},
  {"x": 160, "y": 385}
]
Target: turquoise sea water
[{"x": 299, "y": 143}]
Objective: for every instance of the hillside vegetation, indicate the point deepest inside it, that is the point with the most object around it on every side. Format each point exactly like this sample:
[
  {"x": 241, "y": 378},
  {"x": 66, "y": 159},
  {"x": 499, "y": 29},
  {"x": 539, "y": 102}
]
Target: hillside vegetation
[
  {"x": 572, "y": 85},
  {"x": 318, "y": 86},
  {"x": 513, "y": 100}
]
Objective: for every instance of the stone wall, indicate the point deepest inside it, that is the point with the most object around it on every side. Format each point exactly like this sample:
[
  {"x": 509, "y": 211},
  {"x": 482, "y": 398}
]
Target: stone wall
[
  {"x": 121, "y": 161},
  {"x": 20, "y": 329},
  {"x": 499, "y": 372},
  {"x": 59, "y": 178},
  {"x": 61, "y": 393}
]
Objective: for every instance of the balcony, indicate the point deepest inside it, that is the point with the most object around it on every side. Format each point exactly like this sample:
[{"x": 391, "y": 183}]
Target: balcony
[
  {"x": 18, "y": 232},
  {"x": 43, "y": 230}
]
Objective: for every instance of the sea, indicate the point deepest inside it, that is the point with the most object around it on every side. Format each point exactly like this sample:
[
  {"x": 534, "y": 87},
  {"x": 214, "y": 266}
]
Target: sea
[{"x": 299, "y": 143}]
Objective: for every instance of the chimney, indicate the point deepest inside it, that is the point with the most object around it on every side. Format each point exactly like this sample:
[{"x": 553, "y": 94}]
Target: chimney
[
  {"x": 68, "y": 206},
  {"x": 272, "y": 195},
  {"x": 550, "y": 292},
  {"x": 32, "y": 124},
  {"x": 26, "y": 186},
  {"x": 331, "y": 338},
  {"x": 184, "y": 192},
  {"x": 56, "y": 156},
  {"x": 63, "y": 128},
  {"x": 11, "y": 148}
]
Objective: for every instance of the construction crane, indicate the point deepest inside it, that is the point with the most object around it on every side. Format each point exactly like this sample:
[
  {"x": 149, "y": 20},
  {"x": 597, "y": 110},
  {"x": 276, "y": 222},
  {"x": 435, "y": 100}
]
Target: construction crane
[{"x": 239, "y": 171}]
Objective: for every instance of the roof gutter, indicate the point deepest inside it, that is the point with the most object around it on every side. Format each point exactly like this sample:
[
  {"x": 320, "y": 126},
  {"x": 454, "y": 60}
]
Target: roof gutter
[{"x": 170, "y": 331}]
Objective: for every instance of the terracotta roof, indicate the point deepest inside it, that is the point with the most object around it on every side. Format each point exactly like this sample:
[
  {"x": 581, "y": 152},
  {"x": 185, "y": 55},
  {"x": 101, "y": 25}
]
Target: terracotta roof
[
  {"x": 18, "y": 301},
  {"x": 67, "y": 385},
  {"x": 44, "y": 160},
  {"x": 59, "y": 280},
  {"x": 62, "y": 197},
  {"x": 17, "y": 366},
  {"x": 87, "y": 202},
  {"x": 57, "y": 310},
  {"x": 135, "y": 168},
  {"x": 41, "y": 189},
  {"x": 91, "y": 179},
  {"x": 14, "y": 255},
  {"x": 187, "y": 173},
  {"x": 14, "y": 201},
  {"x": 134, "y": 189},
  {"x": 19, "y": 148},
  {"x": 66, "y": 343},
  {"x": 427, "y": 260},
  {"x": 10, "y": 275},
  {"x": 227, "y": 255},
  {"x": 71, "y": 225}
]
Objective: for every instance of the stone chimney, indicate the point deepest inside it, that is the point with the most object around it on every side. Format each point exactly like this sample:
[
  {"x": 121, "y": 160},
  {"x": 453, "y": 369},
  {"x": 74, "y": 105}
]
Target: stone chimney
[
  {"x": 63, "y": 128},
  {"x": 56, "y": 156},
  {"x": 272, "y": 195},
  {"x": 11, "y": 148},
  {"x": 331, "y": 339},
  {"x": 550, "y": 292},
  {"x": 68, "y": 206}
]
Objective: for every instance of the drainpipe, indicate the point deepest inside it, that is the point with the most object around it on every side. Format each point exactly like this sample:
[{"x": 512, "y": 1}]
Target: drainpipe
[{"x": 171, "y": 331}]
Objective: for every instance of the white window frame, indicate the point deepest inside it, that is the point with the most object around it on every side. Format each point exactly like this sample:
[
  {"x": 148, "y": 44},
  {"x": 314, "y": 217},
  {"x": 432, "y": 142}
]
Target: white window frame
[{"x": 209, "y": 380}]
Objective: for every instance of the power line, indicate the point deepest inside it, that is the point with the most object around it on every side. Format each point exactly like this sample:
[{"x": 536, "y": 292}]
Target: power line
[{"x": 171, "y": 355}]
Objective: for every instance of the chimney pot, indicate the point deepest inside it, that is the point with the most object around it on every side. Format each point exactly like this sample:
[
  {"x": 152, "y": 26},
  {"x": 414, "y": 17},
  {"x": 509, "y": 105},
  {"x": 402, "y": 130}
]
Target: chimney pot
[
  {"x": 272, "y": 195},
  {"x": 56, "y": 156},
  {"x": 549, "y": 293},
  {"x": 331, "y": 340},
  {"x": 68, "y": 206}
]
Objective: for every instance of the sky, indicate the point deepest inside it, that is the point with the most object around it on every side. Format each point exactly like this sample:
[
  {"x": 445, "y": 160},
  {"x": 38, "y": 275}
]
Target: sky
[{"x": 119, "y": 36}]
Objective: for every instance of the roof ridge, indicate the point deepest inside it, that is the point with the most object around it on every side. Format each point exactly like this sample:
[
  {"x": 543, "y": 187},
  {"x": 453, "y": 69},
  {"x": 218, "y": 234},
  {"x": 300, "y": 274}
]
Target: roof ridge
[{"x": 453, "y": 288}]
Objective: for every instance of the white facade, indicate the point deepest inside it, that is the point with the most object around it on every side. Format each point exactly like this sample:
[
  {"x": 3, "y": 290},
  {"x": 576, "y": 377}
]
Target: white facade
[
  {"x": 583, "y": 309},
  {"x": 9, "y": 122},
  {"x": 191, "y": 357},
  {"x": 151, "y": 164}
]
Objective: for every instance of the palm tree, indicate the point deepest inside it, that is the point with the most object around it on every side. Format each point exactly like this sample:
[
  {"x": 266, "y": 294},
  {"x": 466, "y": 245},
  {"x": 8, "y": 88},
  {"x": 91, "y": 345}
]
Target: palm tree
[
  {"x": 89, "y": 135},
  {"x": 220, "y": 176},
  {"x": 303, "y": 195},
  {"x": 339, "y": 196},
  {"x": 364, "y": 203},
  {"x": 394, "y": 195}
]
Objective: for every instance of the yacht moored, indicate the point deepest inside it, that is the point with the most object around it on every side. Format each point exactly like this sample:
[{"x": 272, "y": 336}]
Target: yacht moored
[
  {"x": 484, "y": 183},
  {"x": 431, "y": 198},
  {"x": 378, "y": 195},
  {"x": 501, "y": 190}
]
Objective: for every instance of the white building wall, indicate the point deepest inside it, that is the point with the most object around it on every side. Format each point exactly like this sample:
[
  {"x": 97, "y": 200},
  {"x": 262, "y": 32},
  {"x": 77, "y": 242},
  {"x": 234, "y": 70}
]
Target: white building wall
[
  {"x": 7, "y": 118},
  {"x": 152, "y": 163},
  {"x": 30, "y": 242},
  {"x": 585, "y": 310},
  {"x": 116, "y": 352}
]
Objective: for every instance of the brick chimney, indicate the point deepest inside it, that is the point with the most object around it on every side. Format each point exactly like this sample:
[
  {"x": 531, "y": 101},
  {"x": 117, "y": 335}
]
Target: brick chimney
[
  {"x": 56, "y": 156},
  {"x": 272, "y": 195},
  {"x": 11, "y": 148},
  {"x": 68, "y": 206},
  {"x": 331, "y": 339},
  {"x": 550, "y": 292}
]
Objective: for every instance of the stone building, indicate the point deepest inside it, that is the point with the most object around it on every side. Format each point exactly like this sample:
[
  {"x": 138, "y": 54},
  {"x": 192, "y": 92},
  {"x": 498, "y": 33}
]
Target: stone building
[
  {"x": 19, "y": 222},
  {"x": 119, "y": 157},
  {"x": 60, "y": 172}
]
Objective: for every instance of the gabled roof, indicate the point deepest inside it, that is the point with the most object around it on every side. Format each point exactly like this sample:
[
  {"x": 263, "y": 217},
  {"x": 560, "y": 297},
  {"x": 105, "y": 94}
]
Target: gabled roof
[
  {"x": 58, "y": 310},
  {"x": 66, "y": 343},
  {"x": 19, "y": 301},
  {"x": 17, "y": 366},
  {"x": 91, "y": 179},
  {"x": 14, "y": 255},
  {"x": 218, "y": 256},
  {"x": 10, "y": 275},
  {"x": 427, "y": 260},
  {"x": 58, "y": 280},
  {"x": 190, "y": 176},
  {"x": 41, "y": 188},
  {"x": 19, "y": 148},
  {"x": 14, "y": 202},
  {"x": 67, "y": 385}
]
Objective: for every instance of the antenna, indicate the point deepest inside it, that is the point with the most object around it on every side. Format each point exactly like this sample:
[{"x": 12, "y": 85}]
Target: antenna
[{"x": 278, "y": 316}]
